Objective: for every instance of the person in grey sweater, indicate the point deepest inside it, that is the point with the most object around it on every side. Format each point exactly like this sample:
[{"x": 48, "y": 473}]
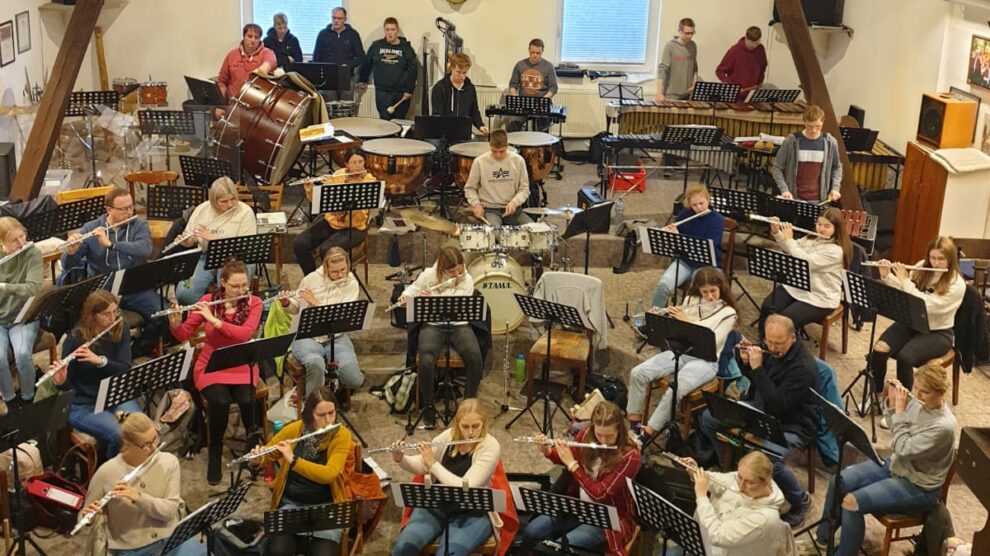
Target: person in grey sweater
[
  {"x": 498, "y": 184},
  {"x": 807, "y": 164},
  {"x": 20, "y": 279},
  {"x": 532, "y": 77},
  {"x": 678, "y": 69},
  {"x": 922, "y": 440}
]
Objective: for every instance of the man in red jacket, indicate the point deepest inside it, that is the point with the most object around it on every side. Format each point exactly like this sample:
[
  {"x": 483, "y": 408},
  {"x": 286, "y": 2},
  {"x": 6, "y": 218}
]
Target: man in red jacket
[{"x": 745, "y": 63}]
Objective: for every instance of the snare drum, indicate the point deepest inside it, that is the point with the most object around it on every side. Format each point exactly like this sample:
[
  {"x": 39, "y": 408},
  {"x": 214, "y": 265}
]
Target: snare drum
[
  {"x": 538, "y": 149},
  {"x": 477, "y": 238},
  {"x": 514, "y": 237},
  {"x": 401, "y": 163},
  {"x": 154, "y": 93},
  {"x": 464, "y": 155},
  {"x": 542, "y": 236},
  {"x": 129, "y": 102},
  {"x": 499, "y": 278},
  {"x": 342, "y": 109}
]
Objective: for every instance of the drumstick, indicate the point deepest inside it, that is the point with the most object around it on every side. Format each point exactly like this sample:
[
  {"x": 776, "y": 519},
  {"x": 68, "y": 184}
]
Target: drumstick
[{"x": 391, "y": 109}]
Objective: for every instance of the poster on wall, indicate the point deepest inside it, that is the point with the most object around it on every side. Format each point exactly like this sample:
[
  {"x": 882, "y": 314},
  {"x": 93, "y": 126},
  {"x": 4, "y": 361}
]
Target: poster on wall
[
  {"x": 978, "y": 72},
  {"x": 23, "y": 20},
  {"x": 6, "y": 43}
]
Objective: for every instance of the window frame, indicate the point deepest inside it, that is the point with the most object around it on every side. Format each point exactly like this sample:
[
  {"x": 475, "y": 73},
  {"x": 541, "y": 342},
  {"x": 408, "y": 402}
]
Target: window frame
[
  {"x": 652, "y": 44},
  {"x": 247, "y": 16}
]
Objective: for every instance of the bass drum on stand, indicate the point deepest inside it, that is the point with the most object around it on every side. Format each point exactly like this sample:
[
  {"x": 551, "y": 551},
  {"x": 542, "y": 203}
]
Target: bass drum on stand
[{"x": 499, "y": 278}]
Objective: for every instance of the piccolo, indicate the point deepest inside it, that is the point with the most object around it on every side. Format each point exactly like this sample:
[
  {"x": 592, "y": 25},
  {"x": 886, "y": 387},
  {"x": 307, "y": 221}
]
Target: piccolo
[
  {"x": 693, "y": 216},
  {"x": 878, "y": 264},
  {"x": 664, "y": 311},
  {"x": 713, "y": 478},
  {"x": 272, "y": 449},
  {"x": 185, "y": 308},
  {"x": 23, "y": 248},
  {"x": 62, "y": 363},
  {"x": 901, "y": 387},
  {"x": 92, "y": 233},
  {"x": 87, "y": 519},
  {"x": 408, "y": 447},
  {"x": 568, "y": 443},
  {"x": 186, "y": 235},
  {"x": 760, "y": 218},
  {"x": 442, "y": 285}
]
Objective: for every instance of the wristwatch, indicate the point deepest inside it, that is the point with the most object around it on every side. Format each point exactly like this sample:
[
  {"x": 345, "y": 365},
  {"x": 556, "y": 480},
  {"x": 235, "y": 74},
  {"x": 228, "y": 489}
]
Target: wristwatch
[{"x": 103, "y": 361}]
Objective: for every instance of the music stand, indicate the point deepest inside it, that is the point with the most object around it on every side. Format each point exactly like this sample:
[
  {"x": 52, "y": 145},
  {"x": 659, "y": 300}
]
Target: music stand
[
  {"x": 444, "y": 309},
  {"x": 348, "y": 197},
  {"x": 64, "y": 302},
  {"x": 202, "y": 520},
  {"x": 85, "y": 103},
  {"x": 677, "y": 247},
  {"x": 167, "y": 123},
  {"x": 33, "y": 421},
  {"x": 249, "y": 353},
  {"x": 858, "y": 139},
  {"x": 449, "y": 129},
  {"x": 204, "y": 93},
  {"x": 681, "y": 338},
  {"x": 564, "y": 511},
  {"x": 671, "y": 522},
  {"x": 732, "y": 414},
  {"x": 779, "y": 268},
  {"x": 621, "y": 92},
  {"x": 877, "y": 298},
  {"x": 598, "y": 217},
  {"x": 168, "y": 202},
  {"x": 204, "y": 171},
  {"x": 772, "y": 97},
  {"x": 256, "y": 250},
  {"x": 74, "y": 214},
  {"x": 800, "y": 213},
  {"x": 309, "y": 519},
  {"x": 690, "y": 135},
  {"x": 145, "y": 378},
  {"x": 448, "y": 500},
  {"x": 156, "y": 275},
  {"x": 845, "y": 431},
  {"x": 738, "y": 204},
  {"x": 714, "y": 92},
  {"x": 324, "y": 76},
  {"x": 330, "y": 320},
  {"x": 550, "y": 313},
  {"x": 41, "y": 225},
  {"x": 527, "y": 106}
]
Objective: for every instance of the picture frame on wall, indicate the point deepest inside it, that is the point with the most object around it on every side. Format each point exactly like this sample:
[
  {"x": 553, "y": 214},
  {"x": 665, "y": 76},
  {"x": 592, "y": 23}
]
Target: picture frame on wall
[
  {"x": 23, "y": 21},
  {"x": 978, "y": 71},
  {"x": 6, "y": 43}
]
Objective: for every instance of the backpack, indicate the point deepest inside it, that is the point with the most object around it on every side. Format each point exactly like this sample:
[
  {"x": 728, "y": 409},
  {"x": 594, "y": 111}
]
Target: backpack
[
  {"x": 398, "y": 391},
  {"x": 172, "y": 412},
  {"x": 611, "y": 388}
]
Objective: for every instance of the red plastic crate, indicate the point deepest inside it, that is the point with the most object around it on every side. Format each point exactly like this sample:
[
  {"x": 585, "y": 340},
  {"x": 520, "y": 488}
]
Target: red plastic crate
[{"x": 624, "y": 181}]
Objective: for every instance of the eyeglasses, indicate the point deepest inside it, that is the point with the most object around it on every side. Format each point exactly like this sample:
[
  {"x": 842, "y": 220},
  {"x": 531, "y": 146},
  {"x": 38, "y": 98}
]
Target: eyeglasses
[
  {"x": 128, "y": 208},
  {"x": 110, "y": 314},
  {"x": 150, "y": 445}
]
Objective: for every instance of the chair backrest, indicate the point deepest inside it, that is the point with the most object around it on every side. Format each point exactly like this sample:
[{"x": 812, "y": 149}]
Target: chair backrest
[
  {"x": 944, "y": 495},
  {"x": 70, "y": 195},
  {"x": 151, "y": 177},
  {"x": 586, "y": 293},
  {"x": 729, "y": 246},
  {"x": 274, "y": 196}
]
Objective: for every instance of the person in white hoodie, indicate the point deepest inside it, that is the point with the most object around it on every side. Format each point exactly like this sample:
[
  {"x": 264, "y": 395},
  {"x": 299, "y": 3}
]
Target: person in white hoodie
[
  {"x": 498, "y": 184},
  {"x": 739, "y": 512}
]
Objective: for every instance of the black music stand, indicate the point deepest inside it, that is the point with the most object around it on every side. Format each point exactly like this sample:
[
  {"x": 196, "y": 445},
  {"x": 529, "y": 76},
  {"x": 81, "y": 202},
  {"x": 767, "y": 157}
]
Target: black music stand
[
  {"x": 33, "y": 421},
  {"x": 167, "y": 123},
  {"x": 73, "y": 215},
  {"x": 156, "y": 274},
  {"x": 688, "y": 136},
  {"x": 800, "y": 213},
  {"x": 732, "y": 414},
  {"x": 60, "y": 306},
  {"x": 621, "y": 92},
  {"x": 738, "y": 204},
  {"x": 681, "y": 338},
  {"x": 449, "y": 501},
  {"x": 877, "y": 298},
  {"x": 168, "y": 202},
  {"x": 41, "y": 225},
  {"x": 348, "y": 197},
  {"x": 443, "y": 310},
  {"x": 202, "y": 520},
  {"x": 527, "y": 105},
  {"x": 772, "y": 97},
  {"x": 565, "y": 511},
  {"x": 143, "y": 379},
  {"x": 85, "y": 103},
  {"x": 330, "y": 320},
  {"x": 324, "y": 76},
  {"x": 256, "y": 250},
  {"x": 204, "y": 171},
  {"x": 779, "y": 268},
  {"x": 714, "y": 92},
  {"x": 598, "y": 217},
  {"x": 204, "y": 93},
  {"x": 845, "y": 430},
  {"x": 858, "y": 139},
  {"x": 671, "y": 522},
  {"x": 309, "y": 519},
  {"x": 678, "y": 247},
  {"x": 446, "y": 130},
  {"x": 550, "y": 313}
]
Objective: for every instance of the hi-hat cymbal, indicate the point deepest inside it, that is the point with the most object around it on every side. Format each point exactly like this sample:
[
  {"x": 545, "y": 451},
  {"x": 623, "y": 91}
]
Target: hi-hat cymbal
[
  {"x": 428, "y": 221},
  {"x": 542, "y": 211}
]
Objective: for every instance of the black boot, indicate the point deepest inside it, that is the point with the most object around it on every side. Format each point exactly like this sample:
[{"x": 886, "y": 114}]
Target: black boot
[
  {"x": 629, "y": 250},
  {"x": 878, "y": 367},
  {"x": 214, "y": 474}
]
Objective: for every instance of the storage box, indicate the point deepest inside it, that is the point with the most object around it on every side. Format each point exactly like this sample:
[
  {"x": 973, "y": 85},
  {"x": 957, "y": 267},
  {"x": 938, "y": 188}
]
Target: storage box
[{"x": 622, "y": 181}]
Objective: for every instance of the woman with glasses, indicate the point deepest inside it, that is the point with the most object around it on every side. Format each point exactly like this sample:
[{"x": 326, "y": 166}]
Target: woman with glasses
[
  {"x": 143, "y": 512},
  {"x": 20, "y": 278},
  {"x": 232, "y": 322},
  {"x": 109, "y": 356}
]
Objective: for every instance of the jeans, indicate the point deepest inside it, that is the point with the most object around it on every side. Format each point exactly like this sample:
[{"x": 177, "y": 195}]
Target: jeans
[
  {"x": 794, "y": 493},
  {"x": 910, "y": 349},
  {"x": 466, "y": 533},
  {"x": 693, "y": 373},
  {"x": 321, "y": 235},
  {"x": 385, "y": 99},
  {"x": 200, "y": 280},
  {"x": 20, "y": 337},
  {"x": 192, "y": 547},
  {"x": 313, "y": 355},
  {"x": 876, "y": 491},
  {"x": 495, "y": 218},
  {"x": 432, "y": 342},
  {"x": 679, "y": 272},
  {"x": 587, "y": 537},
  {"x": 103, "y": 425}
]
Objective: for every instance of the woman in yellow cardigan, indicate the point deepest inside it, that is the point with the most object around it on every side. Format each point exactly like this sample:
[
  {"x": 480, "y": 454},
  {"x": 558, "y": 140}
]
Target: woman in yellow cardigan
[{"x": 310, "y": 472}]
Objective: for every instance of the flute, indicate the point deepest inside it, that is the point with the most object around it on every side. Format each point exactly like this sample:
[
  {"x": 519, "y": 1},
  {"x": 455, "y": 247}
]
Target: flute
[
  {"x": 185, "y": 308},
  {"x": 760, "y": 218},
  {"x": 321, "y": 181},
  {"x": 87, "y": 519},
  {"x": 273, "y": 449},
  {"x": 23, "y": 248},
  {"x": 295, "y": 293},
  {"x": 713, "y": 478},
  {"x": 415, "y": 446},
  {"x": 186, "y": 235},
  {"x": 90, "y": 234},
  {"x": 568, "y": 443},
  {"x": 62, "y": 363},
  {"x": 692, "y": 217},
  {"x": 878, "y": 264},
  {"x": 901, "y": 387},
  {"x": 663, "y": 311},
  {"x": 432, "y": 289}
]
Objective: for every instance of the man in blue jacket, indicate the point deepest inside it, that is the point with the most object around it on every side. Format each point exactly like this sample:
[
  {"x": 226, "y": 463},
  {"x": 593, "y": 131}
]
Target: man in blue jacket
[{"x": 339, "y": 44}]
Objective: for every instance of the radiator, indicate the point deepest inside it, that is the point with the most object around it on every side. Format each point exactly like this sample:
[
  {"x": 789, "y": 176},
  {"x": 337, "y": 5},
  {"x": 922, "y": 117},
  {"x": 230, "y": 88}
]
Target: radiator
[{"x": 585, "y": 111}]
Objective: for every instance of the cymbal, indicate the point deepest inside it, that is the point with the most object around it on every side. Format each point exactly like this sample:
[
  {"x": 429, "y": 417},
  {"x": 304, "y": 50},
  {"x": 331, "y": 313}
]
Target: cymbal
[
  {"x": 542, "y": 211},
  {"x": 428, "y": 221}
]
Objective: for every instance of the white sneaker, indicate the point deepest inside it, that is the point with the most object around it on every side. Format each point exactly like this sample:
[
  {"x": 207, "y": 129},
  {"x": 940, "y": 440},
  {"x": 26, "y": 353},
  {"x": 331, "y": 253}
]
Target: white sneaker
[
  {"x": 810, "y": 547},
  {"x": 883, "y": 423}
]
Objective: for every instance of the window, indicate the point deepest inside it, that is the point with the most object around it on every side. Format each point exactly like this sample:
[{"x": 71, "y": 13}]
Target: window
[
  {"x": 609, "y": 33},
  {"x": 306, "y": 17}
]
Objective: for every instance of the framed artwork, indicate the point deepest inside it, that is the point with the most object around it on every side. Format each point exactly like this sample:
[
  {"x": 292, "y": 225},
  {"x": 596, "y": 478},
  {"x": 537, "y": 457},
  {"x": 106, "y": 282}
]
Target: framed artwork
[
  {"x": 978, "y": 71},
  {"x": 6, "y": 43},
  {"x": 23, "y": 21}
]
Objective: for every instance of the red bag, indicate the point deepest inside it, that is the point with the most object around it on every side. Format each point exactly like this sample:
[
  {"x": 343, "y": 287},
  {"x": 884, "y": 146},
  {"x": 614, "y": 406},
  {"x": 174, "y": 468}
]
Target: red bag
[{"x": 49, "y": 513}]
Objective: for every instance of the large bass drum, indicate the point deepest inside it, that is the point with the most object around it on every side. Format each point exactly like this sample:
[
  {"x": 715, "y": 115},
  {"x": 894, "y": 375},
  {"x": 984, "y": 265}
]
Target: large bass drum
[
  {"x": 499, "y": 278},
  {"x": 267, "y": 115}
]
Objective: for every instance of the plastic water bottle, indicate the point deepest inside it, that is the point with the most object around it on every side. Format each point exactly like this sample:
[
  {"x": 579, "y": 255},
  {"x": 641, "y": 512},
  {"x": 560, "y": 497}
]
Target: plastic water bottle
[
  {"x": 620, "y": 207},
  {"x": 639, "y": 317},
  {"x": 520, "y": 373}
]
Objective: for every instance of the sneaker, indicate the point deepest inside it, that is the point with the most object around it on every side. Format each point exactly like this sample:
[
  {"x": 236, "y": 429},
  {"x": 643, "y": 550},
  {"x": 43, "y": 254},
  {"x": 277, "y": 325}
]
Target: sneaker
[
  {"x": 883, "y": 423},
  {"x": 810, "y": 547},
  {"x": 429, "y": 418},
  {"x": 796, "y": 516}
]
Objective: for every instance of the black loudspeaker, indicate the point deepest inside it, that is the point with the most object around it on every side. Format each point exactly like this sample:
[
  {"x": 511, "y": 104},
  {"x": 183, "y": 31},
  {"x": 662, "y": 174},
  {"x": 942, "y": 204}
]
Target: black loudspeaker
[
  {"x": 858, "y": 114},
  {"x": 8, "y": 167},
  {"x": 827, "y": 13}
]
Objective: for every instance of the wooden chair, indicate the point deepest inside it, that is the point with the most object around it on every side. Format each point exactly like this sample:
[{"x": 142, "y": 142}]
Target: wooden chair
[
  {"x": 809, "y": 448},
  {"x": 297, "y": 372},
  {"x": 70, "y": 195},
  {"x": 947, "y": 360},
  {"x": 571, "y": 350},
  {"x": 893, "y": 523},
  {"x": 275, "y": 202},
  {"x": 692, "y": 403},
  {"x": 455, "y": 362},
  {"x": 141, "y": 180},
  {"x": 839, "y": 314}
]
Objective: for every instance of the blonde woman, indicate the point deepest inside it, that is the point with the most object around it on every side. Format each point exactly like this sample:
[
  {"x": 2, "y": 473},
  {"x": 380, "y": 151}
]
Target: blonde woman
[
  {"x": 20, "y": 279},
  {"x": 222, "y": 216}
]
